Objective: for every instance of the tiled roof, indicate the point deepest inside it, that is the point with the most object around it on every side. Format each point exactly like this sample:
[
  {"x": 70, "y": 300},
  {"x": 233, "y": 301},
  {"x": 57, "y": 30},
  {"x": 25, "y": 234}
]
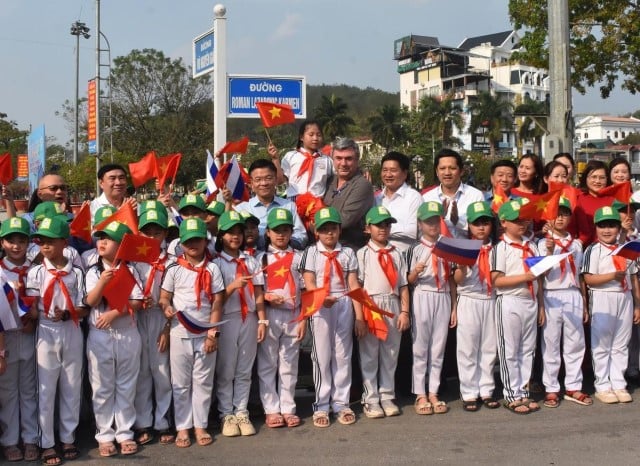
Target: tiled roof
[{"x": 494, "y": 39}]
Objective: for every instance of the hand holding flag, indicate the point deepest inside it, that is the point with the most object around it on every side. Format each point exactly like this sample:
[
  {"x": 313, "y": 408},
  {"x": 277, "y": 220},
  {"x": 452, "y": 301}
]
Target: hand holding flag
[{"x": 275, "y": 114}]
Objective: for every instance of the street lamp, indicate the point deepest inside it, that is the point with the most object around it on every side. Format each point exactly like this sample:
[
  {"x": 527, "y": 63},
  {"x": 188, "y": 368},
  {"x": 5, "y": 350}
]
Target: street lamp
[{"x": 77, "y": 29}]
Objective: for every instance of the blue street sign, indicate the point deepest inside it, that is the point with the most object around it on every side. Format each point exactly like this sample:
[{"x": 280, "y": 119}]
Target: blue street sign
[
  {"x": 203, "y": 54},
  {"x": 92, "y": 148},
  {"x": 246, "y": 90}
]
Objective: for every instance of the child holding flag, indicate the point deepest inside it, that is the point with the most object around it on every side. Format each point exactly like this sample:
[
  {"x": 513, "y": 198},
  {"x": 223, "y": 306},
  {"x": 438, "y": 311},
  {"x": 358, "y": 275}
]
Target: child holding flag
[
  {"x": 58, "y": 288},
  {"x": 329, "y": 265},
  {"x": 519, "y": 306},
  {"x": 614, "y": 305},
  {"x": 190, "y": 206},
  {"x": 18, "y": 398},
  {"x": 113, "y": 345},
  {"x": 246, "y": 325},
  {"x": 278, "y": 353},
  {"x": 90, "y": 256},
  {"x": 193, "y": 286},
  {"x": 382, "y": 271},
  {"x": 433, "y": 291},
  {"x": 474, "y": 316}
]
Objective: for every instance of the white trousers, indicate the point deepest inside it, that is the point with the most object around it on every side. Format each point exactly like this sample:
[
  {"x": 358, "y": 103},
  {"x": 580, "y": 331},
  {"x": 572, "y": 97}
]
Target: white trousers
[
  {"x": 431, "y": 313},
  {"x": 563, "y": 328},
  {"x": 516, "y": 324},
  {"x": 154, "y": 379},
  {"x": 476, "y": 347},
  {"x": 192, "y": 372},
  {"x": 332, "y": 347},
  {"x": 611, "y": 322},
  {"x": 237, "y": 345},
  {"x": 113, "y": 358},
  {"x": 18, "y": 395},
  {"x": 378, "y": 358},
  {"x": 59, "y": 357},
  {"x": 278, "y": 363}
]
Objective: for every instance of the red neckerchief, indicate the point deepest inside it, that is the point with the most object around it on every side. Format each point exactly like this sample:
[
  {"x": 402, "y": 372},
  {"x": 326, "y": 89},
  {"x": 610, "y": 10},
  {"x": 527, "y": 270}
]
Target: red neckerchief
[
  {"x": 250, "y": 252},
  {"x": 21, "y": 271},
  {"x": 484, "y": 270},
  {"x": 619, "y": 262},
  {"x": 203, "y": 280},
  {"x": 526, "y": 253},
  {"x": 48, "y": 293},
  {"x": 243, "y": 271},
  {"x": 386, "y": 264},
  {"x": 307, "y": 165},
  {"x": 435, "y": 261},
  {"x": 563, "y": 264},
  {"x": 292, "y": 284},
  {"x": 332, "y": 263},
  {"x": 157, "y": 266}
]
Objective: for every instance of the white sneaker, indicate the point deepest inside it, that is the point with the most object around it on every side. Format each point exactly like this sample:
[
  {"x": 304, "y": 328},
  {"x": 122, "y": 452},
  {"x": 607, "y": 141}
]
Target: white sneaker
[
  {"x": 230, "y": 426},
  {"x": 244, "y": 424},
  {"x": 372, "y": 410},
  {"x": 623, "y": 395},
  {"x": 390, "y": 408}
]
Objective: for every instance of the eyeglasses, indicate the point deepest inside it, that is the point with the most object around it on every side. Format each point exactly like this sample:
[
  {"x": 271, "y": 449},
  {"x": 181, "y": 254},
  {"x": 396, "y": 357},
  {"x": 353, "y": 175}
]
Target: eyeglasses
[
  {"x": 55, "y": 187},
  {"x": 266, "y": 179}
]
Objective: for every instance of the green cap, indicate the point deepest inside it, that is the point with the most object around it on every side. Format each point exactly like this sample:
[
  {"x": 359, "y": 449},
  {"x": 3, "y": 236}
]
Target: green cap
[
  {"x": 509, "y": 210},
  {"x": 47, "y": 209},
  {"x": 379, "y": 214},
  {"x": 153, "y": 216},
  {"x": 478, "y": 210},
  {"x": 192, "y": 228},
  {"x": 15, "y": 225},
  {"x": 201, "y": 186},
  {"x": 229, "y": 219},
  {"x": 216, "y": 208},
  {"x": 115, "y": 230},
  {"x": 619, "y": 206},
  {"x": 606, "y": 213},
  {"x": 326, "y": 215},
  {"x": 53, "y": 227},
  {"x": 430, "y": 209},
  {"x": 279, "y": 217},
  {"x": 153, "y": 205},
  {"x": 192, "y": 200},
  {"x": 249, "y": 217},
  {"x": 103, "y": 213},
  {"x": 564, "y": 202}
]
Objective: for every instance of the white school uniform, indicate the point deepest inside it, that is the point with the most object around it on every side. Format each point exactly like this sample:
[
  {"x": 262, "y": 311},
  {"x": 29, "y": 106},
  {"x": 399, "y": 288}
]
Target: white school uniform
[
  {"x": 378, "y": 358},
  {"x": 58, "y": 353},
  {"x": 476, "y": 348},
  {"x": 516, "y": 319},
  {"x": 113, "y": 357},
  {"x": 18, "y": 397},
  {"x": 611, "y": 308},
  {"x": 563, "y": 327},
  {"x": 331, "y": 330},
  {"x": 237, "y": 343},
  {"x": 278, "y": 353},
  {"x": 431, "y": 314},
  {"x": 317, "y": 185},
  {"x": 192, "y": 369}
]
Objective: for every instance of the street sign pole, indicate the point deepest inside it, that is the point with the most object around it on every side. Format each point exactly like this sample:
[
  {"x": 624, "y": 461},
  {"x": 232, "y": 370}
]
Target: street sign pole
[{"x": 219, "y": 77}]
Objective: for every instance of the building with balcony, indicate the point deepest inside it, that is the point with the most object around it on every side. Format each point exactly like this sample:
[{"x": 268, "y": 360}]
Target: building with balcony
[{"x": 591, "y": 127}]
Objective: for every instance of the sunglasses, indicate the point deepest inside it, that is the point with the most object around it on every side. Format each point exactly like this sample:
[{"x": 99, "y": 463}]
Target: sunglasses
[{"x": 55, "y": 187}]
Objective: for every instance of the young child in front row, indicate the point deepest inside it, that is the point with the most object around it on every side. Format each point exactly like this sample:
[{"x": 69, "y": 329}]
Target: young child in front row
[
  {"x": 519, "y": 307},
  {"x": 193, "y": 285},
  {"x": 278, "y": 353},
  {"x": 475, "y": 317},
  {"x": 433, "y": 291},
  {"x": 614, "y": 303},
  {"x": 246, "y": 325},
  {"x": 565, "y": 313},
  {"x": 58, "y": 287},
  {"x": 382, "y": 271},
  {"x": 113, "y": 347},
  {"x": 329, "y": 265}
]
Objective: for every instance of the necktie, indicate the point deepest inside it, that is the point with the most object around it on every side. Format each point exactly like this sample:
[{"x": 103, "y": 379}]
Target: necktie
[
  {"x": 242, "y": 271},
  {"x": 21, "y": 271},
  {"x": 620, "y": 263},
  {"x": 203, "y": 279},
  {"x": 483, "y": 266},
  {"x": 563, "y": 264},
  {"x": 157, "y": 266},
  {"x": 332, "y": 263},
  {"x": 307, "y": 165},
  {"x": 453, "y": 215},
  {"x": 386, "y": 264},
  {"x": 47, "y": 298},
  {"x": 526, "y": 252}
]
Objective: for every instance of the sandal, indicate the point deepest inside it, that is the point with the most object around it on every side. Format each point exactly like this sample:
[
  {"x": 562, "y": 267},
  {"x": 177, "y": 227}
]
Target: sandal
[
  {"x": 551, "y": 400},
  {"x": 31, "y": 452},
  {"x": 69, "y": 451},
  {"x": 107, "y": 449},
  {"x": 321, "y": 419},
  {"x": 490, "y": 403},
  {"x": 183, "y": 441},
  {"x": 517, "y": 407},
  {"x": 50, "y": 457},
  {"x": 166, "y": 437},
  {"x": 439, "y": 407},
  {"x": 274, "y": 420},
  {"x": 578, "y": 397},
  {"x": 143, "y": 436},
  {"x": 291, "y": 420},
  {"x": 531, "y": 404},
  {"x": 346, "y": 417},
  {"x": 470, "y": 406},
  {"x": 128, "y": 447},
  {"x": 203, "y": 438},
  {"x": 12, "y": 453},
  {"x": 422, "y": 406}
]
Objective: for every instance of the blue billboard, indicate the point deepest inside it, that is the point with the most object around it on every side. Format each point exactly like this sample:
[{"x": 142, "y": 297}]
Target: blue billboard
[
  {"x": 203, "y": 54},
  {"x": 36, "y": 148},
  {"x": 246, "y": 90}
]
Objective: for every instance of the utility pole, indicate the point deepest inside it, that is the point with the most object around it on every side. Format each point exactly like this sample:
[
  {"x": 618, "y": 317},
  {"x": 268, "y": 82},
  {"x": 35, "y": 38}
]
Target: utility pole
[
  {"x": 219, "y": 77},
  {"x": 77, "y": 29},
  {"x": 97, "y": 96}
]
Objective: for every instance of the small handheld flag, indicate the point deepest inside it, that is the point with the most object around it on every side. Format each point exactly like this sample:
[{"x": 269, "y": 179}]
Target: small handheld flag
[
  {"x": 196, "y": 326},
  {"x": 460, "y": 251},
  {"x": 629, "y": 250},
  {"x": 540, "y": 264}
]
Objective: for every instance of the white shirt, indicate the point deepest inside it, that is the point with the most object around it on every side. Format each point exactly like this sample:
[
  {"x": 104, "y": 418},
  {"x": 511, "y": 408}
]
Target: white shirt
[
  {"x": 228, "y": 268},
  {"x": 464, "y": 196},
  {"x": 322, "y": 171},
  {"x": 38, "y": 281},
  {"x": 598, "y": 260},
  {"x": 292, "y": 297},
  {"x": 473, "y": 285},
  {"x": 314, "y": 261},
  {"x": 372, "y": 276},
  {"x": 508, "y": 259},
  {"x": 554, "y": 280},
  {"x": 403, "y": 206},
  {"x": 421, "y": 252}
]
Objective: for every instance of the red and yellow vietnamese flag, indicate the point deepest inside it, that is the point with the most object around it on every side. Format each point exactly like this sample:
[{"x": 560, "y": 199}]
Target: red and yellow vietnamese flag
[
  {"x": 144, "y": 170},
  {"x": 568, "y": 192},
  {"x": 275, "y": 114},
  {"x": 375, "y": 323},
  {"x": 6, "y": 169},
  {"x": 499, "y": 198},
  {"x": 311, "y": 302},
  {"x": 118, "y": 290},
  {"x": 541, "y": 207},
  {"x": 138, "y": 248},
  {"x": 125, "y": 214},
  {"x": 621, "y": 191},
  {"x": 361, "y": 295},
  {"x": 236, "y": 147},
  {"x": 167, "y": 167},
  {"x": 80, "y": 227},
  {"x": 278, "y": 272}
]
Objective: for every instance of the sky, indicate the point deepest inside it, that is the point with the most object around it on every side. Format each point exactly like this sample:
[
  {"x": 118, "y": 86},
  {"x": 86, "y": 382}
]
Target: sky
[{"x": 328, "y": 41}]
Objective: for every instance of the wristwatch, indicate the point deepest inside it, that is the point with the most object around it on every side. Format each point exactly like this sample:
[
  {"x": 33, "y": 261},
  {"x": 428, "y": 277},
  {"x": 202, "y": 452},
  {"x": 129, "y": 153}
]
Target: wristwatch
[{"x": 265, "y": 322}]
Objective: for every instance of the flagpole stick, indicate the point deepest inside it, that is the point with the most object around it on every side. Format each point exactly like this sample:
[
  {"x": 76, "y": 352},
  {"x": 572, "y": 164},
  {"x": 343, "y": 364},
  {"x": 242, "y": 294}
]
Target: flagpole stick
[{"x": 268, "y": 137}]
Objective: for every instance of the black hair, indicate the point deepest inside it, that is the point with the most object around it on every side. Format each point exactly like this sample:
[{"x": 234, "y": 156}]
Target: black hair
[
  {"x": 566, "y": 155},
  {"x": 262, "y": 163},
  {"x": 592, "y": 165},
  {"x": 618, "y": 161},
  {"x": 447, "y": 153},
  {"x": 109, "y": 167},
  {"x": 537, "y": 182},
  {"x": 403, "y": 161},
  {"x": 548, "y": 169},
  {"x": 301, "y": 130},
  {"x": 504, "y": 163},
  {"x": 493, "y": 237},
  {"x": 218, "y": 245}
]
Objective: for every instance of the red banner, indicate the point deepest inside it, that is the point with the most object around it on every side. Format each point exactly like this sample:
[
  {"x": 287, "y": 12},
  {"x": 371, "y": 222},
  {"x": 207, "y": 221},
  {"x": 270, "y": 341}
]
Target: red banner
[
  {"x": 23, "y": 166},
  {"x": 91, "y": 121}
]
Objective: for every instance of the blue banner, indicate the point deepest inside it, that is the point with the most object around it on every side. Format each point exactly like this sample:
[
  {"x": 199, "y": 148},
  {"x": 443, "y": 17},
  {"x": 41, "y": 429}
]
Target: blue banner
[
  {"x": 203, "y": 54},
  {"x": 245, "y": 91},
  {"x": 37, "y": 148}
]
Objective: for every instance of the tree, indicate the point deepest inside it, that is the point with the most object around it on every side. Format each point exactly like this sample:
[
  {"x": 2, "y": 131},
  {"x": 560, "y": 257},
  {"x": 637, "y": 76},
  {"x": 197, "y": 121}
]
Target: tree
[
  {"x": 332, "y": 116},
  {"x": 387, "y": 128},
  {"x": 632, "y": 138},
  {"x": 534, "y": 121},
  {"x": 492, "y": 114},
  {"x": 438, "y": 116},
  {"x": 604, "y": 41},
  {"x": 12, "y": 139}
]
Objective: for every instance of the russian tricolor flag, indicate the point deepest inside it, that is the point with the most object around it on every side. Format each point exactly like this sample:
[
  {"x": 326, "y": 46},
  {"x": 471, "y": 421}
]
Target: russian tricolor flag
[
  {"x": 233, "y": 176},
  {"x": 630, "y": 250},
  {"x": 195, "y": 326},
  {"x": 540, "y": 264},
  {"x": 460, "y": 251},
  {"x": 212, "y": 173},
  {"x": 7, "y": 321}
]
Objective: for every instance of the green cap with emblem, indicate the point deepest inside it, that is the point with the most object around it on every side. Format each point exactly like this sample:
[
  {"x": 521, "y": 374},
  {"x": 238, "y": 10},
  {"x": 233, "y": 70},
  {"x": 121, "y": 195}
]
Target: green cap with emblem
[
  {"x": 103, "y": 213},
  {"x": 327, "y": 215},
  {"x": 192, "y": 228},
  {"x": 48, "y": 209},
  {"x": 509, "y": 210},
  {"x": 153, "y": 205},
  {"x": 606, "y": 213},
  {"x": 279, "y": 217},
  {"x": 249, "y": 217},
  {"x": 192, "y": 200},
  {"x": 379, "y": 214},
  {"x": 114, "y": 230},
  {"x": 478, "y": 210},
  {"x": 53, "y": 227},
  {"x": 564, "y": 202},
  {"x": 230, "y": 219},
  {"x": 430, "y": 209},
  {"x": 15, "y": 225},
  {"x": 156, "y": 217},
  {"x": 216, "y": 208}
]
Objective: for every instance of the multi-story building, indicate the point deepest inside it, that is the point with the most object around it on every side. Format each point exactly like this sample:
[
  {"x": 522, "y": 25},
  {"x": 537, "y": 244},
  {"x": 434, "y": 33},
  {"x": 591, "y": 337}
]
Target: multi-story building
[{"x": 605, "y": 127}]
